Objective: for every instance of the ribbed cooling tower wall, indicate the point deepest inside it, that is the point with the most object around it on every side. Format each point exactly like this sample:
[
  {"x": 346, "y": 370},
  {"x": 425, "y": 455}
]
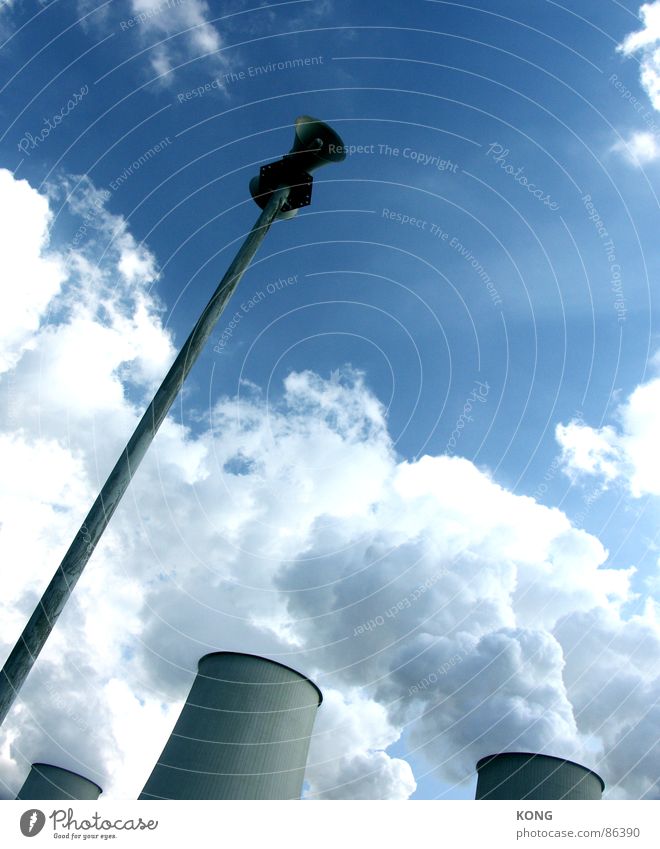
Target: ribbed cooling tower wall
[
  {"x": 53, "y": 782},
  {"x": 523, "y": 775},
  {"x": 242, "y": 734}
]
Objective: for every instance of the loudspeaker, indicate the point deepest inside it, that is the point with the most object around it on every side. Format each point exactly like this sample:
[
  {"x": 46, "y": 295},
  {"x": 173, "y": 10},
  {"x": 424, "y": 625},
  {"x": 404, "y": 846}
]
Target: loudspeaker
[{"x": 314, "y": 144}]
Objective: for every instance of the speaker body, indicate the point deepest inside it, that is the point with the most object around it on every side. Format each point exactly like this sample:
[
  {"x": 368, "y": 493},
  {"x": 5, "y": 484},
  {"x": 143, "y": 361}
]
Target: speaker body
[{"x": 315, "y": 144}]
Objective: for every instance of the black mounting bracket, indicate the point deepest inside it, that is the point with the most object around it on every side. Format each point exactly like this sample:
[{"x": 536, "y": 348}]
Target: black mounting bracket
[{"x": 283, "y": 173}]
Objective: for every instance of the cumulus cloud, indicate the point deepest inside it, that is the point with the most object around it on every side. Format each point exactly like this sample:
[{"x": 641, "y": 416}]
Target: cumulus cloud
[
  {"x": 179, "y": 29},
  {"x": 646, "y": 43},
  {"x": 5, "y": 16},
  {"x": 639, "y": 148},
  {"x": 347, "y": 758},
  {"x": 5, "y": 9},
  {"x": 611, "y": 661},
  {"x": 433, "y": 607},
  {"x": 627, "y": 451},
  {"x": 97, "y": 701},
  {"x": 32, "y": 275}
]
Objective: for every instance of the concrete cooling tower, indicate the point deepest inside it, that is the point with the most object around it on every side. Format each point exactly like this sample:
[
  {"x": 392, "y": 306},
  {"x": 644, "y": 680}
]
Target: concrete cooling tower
[
  {"x": 243, "y": 733},
  {"x": 523, "y": 775},
  {"x": 46, "y": 781}
]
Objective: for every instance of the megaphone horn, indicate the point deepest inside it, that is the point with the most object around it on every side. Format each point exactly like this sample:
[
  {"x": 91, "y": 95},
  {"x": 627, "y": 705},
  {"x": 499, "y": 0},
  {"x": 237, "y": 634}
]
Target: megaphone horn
[{"x": 314, "y": 144}]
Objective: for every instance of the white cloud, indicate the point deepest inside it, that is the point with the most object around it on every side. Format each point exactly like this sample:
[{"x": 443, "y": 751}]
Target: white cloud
[
  {"x": 646, "y": 42},
  {"x": 31, "y": 276},
  {"x": 347, "y": 757},
  {"x": 647, "y": 37},
  {"x": 609, "y": 661},
  {"x": 640, "y": 148},
  {"x": 628, "y": 452},
  {"x": 420, "y": 596},
  {"x": 591, "y": 451},
  {"x": 184, "y": 28},
  {"x": 508, "y": 693},
  {"x": 5, "y": 16}
]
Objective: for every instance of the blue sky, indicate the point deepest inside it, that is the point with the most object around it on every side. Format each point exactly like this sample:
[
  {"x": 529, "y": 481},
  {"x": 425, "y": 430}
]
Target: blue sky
[{"x": 492, "y": 233}]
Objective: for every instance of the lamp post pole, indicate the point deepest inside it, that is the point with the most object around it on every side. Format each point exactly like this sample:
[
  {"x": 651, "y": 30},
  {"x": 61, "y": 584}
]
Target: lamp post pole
[{"x": 280, "y": 190}]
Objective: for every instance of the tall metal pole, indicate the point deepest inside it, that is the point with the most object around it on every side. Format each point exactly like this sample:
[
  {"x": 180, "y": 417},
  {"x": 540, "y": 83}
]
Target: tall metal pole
[{"x": 41, "y": 623}]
